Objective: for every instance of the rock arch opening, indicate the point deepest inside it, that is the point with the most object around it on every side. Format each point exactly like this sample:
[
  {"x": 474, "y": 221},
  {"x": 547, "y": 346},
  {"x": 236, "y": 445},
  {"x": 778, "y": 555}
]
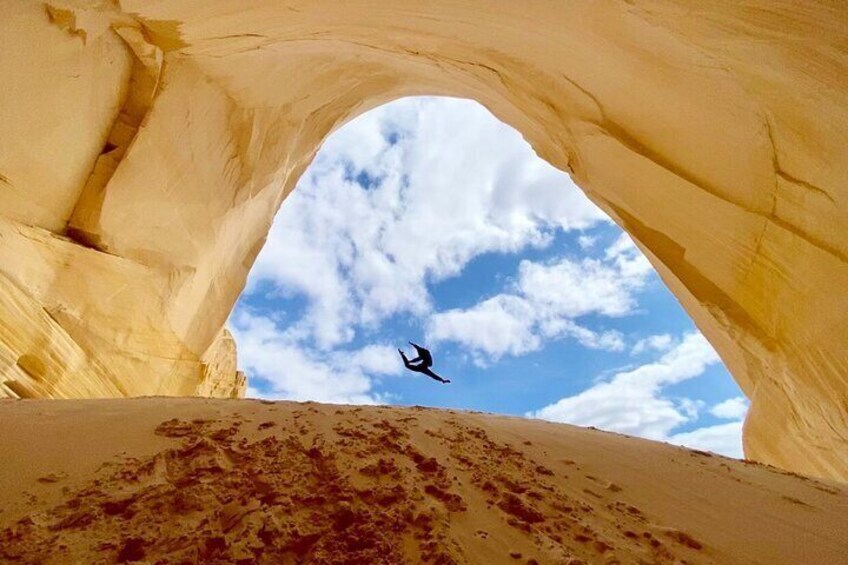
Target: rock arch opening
[
  {"x": 712, "y": 134},
  {"x": 428, "y": 219}
]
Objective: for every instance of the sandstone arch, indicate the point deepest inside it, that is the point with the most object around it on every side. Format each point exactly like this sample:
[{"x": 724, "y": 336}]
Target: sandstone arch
[{"x": 146, "y": 146}]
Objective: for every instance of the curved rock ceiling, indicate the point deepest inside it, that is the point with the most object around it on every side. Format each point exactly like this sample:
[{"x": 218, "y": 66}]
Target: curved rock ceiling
[{"x": 146, "y": 146}]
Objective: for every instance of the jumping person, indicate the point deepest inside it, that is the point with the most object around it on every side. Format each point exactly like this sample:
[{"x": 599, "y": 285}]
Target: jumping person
[{"x": 424, "y": 360}]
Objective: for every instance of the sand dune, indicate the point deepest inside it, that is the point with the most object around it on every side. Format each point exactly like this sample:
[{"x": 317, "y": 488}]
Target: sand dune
[{"x": 214, "y": 481}]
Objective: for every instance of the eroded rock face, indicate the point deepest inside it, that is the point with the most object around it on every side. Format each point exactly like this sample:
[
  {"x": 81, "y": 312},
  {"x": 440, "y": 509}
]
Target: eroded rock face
[{"x": 146, "y": 148}]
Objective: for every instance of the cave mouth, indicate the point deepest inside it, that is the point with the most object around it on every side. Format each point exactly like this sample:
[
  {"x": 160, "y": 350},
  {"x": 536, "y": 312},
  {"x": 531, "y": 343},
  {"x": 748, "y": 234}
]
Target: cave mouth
[{"x": 427, "y": 219}]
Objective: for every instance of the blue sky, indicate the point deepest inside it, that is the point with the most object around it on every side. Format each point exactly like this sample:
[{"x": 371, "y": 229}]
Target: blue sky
[{"x": 429, "y": 220}]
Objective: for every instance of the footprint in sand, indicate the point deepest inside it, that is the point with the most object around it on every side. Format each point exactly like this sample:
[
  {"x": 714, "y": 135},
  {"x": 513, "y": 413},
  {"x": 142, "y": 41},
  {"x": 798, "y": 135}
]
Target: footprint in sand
[
  {"x": 828, "y": 490},
  {"x": 590, "y": 492},
  {"x": 682, "y": 538},
  {"x": 51, "y": 478},
  {"x": 797, "y": 501}
]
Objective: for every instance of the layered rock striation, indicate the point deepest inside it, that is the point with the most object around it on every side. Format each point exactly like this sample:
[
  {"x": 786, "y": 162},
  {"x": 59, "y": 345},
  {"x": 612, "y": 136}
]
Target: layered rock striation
[{"x": 146, "y": 146}]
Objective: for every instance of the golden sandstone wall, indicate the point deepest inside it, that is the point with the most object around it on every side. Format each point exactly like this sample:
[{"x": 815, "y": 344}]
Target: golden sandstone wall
[{"x": 145, "y": 146}]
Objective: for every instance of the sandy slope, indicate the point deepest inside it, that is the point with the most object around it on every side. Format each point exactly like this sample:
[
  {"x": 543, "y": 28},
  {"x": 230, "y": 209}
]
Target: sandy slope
[{"x": 187, "y": 480}]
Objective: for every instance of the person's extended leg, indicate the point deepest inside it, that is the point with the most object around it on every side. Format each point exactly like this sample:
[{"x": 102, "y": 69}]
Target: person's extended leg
[
  {"x": 405, "y": 360},
  {"x": 433, "y": 375},
  {"x": 409, "y": 364}
]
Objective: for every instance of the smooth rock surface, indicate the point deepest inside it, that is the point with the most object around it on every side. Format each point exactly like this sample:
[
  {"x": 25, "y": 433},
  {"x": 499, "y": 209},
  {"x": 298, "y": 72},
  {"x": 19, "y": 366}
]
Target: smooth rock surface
[{"x": 146, "y": 146}]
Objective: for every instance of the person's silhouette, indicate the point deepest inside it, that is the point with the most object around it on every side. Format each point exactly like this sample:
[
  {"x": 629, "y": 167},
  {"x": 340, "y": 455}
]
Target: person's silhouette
[{"x": 424, "y": 360}]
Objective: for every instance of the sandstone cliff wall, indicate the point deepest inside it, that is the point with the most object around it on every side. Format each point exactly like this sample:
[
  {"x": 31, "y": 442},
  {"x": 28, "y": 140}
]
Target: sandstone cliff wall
[{"x": 147, "y": 144}]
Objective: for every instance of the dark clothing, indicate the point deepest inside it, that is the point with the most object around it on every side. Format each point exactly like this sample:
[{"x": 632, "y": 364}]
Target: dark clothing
[
  {"x": 423, "y": 355},
  {"x": 424, "y": 360}
]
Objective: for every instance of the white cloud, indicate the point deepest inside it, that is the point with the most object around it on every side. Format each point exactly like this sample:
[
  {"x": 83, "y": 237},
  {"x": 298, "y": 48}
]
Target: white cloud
[
  {"x": 577, "y": 288},
  {"x": 731, "y": 409},
  {"x": 631, "y": 263},
  {"x": 558, "y": 328},
  {"x": 622, "y": 246},
  {"x": 293, "y": 371},
  {"x": 544, "y": 303},
  {"x": 725, "y": 439},
  {"x": 500, "y": 325},
  {"x": 661, "y": 342},
  {"x": 586, "y": 242},
  {"x": 449, "y": 182},
  {"x": 632, "y": 402}
]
